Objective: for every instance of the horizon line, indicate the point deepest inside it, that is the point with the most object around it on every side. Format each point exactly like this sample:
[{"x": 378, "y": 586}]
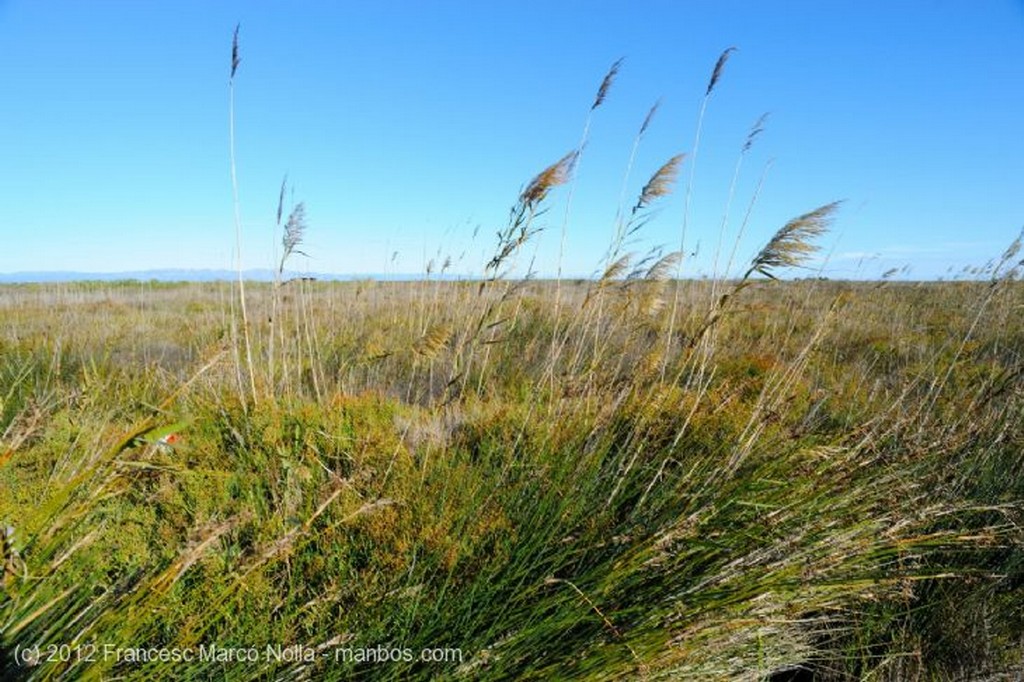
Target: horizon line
[{"x": 264, "y": 275}]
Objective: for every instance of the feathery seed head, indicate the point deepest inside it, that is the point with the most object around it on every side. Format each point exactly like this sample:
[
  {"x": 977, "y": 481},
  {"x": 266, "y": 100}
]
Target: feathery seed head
[
  {"x": 792, "y": 244},
  {"x": 660, "y": 183},
  {"x": 1013, "y": 249},
  {"x": 433, "y": 341},
  {"x": 647, "y": 119},
  {"x": 615, "y": 270},
  {"x": 606, "y": 84},
  {"x": 280, "y": 199},
  {"x": 235, "y": 60},
  {"x": 662, "y": 268},
  {"x": 717, "y": 73},
  {"x": 755, "y": 131},
  {"x": 554, "y": 175},
  {"x": 294, "y": 230},
  {"x": 519, "y": 231}
]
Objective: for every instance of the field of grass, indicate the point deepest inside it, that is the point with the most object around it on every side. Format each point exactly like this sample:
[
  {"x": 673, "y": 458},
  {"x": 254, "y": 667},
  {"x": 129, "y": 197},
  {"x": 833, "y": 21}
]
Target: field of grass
[
  {"x": 530, "y": 480},
  {"x": 633, "y": 476}
]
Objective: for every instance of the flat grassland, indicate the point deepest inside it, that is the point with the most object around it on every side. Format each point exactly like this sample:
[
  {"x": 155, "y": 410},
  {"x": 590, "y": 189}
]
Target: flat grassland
[{"x": 617, "y": 479}]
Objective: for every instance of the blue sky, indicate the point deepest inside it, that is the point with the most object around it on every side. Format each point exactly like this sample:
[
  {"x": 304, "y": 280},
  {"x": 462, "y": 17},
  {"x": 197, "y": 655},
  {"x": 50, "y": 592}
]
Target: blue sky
[{"x": 404, "y": 126}]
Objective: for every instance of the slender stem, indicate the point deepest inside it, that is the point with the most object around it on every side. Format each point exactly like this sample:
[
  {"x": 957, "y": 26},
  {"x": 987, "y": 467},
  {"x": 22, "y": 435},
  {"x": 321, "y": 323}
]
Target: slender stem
[
  {"x": 238, "y": 241},
  {"x": 682, "y": 234},
  {"x": 561, "y": 245}
]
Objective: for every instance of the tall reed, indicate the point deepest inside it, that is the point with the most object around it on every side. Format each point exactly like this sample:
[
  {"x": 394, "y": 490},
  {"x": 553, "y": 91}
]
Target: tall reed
[
  {"x": 716, "y": 74},
  {"x": 235, "y": 61}
]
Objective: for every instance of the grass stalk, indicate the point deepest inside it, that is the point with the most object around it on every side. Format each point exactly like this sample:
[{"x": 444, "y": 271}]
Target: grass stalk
[{"x": 235, "y": 60}]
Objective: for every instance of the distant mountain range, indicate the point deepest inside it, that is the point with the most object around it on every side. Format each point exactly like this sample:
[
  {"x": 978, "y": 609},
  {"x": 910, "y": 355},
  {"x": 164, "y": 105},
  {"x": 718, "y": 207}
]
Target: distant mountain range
[{"x": 172, "y": 275}]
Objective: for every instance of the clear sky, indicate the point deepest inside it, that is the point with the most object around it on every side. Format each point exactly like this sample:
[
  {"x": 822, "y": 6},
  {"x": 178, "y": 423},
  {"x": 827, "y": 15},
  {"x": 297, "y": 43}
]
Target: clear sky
[{"x": 404, "y": 126}]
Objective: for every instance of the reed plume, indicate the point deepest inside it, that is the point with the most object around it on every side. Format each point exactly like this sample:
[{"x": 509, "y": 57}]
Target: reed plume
[
  {"x": 755, "y": 131},
  {"x": 280, "y": 200},
  {"x": 648, "y": 118},
  {"x": 606, "y": 84},
  {"x": 662, "y": 268},
  {"x": 717, "y": 72},
  {"x": 433, "y": 341},
  {"x": 617, "y": 268},
  {"x": 653, "y": 285},
  {"x": 235, "y": 60},
  {"x": 1011, "y": 252},
  {"x": 294, "y": 231},
  {"x": 554, "y": 175},
  {"x": 660, "y": 184},
  {"x": 519, "y": 229},
  {"x": 789, "y": 247},
  {"x": 792, "y": 244}
]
